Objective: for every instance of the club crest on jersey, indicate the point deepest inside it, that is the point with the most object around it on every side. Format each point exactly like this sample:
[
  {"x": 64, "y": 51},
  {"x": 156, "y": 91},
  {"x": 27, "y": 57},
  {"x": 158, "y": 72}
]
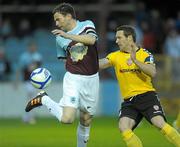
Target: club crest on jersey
[
  {"x": 78, "y": 51},
  {"x": 151, "y": 59},
  {"x": 129, "y": 62}
]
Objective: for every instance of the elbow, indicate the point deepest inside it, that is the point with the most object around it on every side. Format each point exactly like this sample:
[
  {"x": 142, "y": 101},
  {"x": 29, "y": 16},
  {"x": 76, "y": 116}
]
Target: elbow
[{"x": 92, "y": 41}]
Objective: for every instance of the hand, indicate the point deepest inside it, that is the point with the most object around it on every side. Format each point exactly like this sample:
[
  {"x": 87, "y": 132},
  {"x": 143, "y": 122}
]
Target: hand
[{"x": 59, "y": 32}]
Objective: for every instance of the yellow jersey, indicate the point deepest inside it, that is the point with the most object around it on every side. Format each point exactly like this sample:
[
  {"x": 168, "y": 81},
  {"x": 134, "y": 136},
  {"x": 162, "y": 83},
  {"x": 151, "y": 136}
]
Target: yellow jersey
[{"x": 131, "y": 79}]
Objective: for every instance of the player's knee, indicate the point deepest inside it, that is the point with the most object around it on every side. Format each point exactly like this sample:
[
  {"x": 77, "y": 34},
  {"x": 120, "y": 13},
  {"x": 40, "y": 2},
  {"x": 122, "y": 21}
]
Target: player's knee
[
  {"x": 125, "y": 125},
  {"x": 158, "y": 121},
  {"x": 86, "y": 121},
  {"x": 159, "y": 124},
  {"x": 122, "y": 127},
  {"x": 67, "y": 119}
]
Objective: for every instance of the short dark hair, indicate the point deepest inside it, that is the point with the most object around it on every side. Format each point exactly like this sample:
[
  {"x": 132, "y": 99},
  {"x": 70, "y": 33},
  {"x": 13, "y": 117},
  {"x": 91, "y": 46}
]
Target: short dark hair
[
  {"x": 128, "y": 30},
  {"x": 65, "y": 8}
]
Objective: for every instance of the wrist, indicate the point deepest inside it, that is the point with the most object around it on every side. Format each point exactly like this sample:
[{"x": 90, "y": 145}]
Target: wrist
[{"x": 66, "y": 35}]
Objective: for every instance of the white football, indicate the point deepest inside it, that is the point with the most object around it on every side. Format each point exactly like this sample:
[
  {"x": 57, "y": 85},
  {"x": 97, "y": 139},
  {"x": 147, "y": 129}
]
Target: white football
[{"x": 40, "y": 78}]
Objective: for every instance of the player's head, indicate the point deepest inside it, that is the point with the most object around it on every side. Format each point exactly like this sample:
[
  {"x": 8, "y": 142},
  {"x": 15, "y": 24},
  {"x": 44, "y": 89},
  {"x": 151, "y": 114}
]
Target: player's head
[
  {"x": 125, "y": 36},
  {"x": 63, "y": 15}
]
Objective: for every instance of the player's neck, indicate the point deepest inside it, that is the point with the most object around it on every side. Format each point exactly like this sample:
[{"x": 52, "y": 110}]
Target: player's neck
[
  {"x": 133, "y": 46},
  {"x": 136, "y": 48},
  {"x": 128, "y": 49}
]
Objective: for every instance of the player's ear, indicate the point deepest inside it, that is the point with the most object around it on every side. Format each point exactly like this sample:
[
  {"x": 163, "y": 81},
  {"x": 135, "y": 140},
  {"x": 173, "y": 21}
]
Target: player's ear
[{"x": 130, "y": 38}]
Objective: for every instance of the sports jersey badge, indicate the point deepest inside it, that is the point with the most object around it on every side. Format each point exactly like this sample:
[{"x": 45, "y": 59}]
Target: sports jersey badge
[
  {"x": 129, "y": 62},
  {"x": 78, "y": 51}
]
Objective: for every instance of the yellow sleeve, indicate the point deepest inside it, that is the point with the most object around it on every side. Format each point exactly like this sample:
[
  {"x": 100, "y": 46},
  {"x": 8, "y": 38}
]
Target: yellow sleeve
[
  {"x": 111, "y": 58},
  {"x": 148, "y": 57}
]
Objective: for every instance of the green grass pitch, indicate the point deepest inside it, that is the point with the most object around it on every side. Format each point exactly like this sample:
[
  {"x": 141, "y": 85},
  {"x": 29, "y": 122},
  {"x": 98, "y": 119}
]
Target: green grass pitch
[{"x": 50, "y": 133}]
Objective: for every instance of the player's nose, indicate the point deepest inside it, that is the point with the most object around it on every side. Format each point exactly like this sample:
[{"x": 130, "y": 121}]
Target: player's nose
[{"x": 116, "y": 41}]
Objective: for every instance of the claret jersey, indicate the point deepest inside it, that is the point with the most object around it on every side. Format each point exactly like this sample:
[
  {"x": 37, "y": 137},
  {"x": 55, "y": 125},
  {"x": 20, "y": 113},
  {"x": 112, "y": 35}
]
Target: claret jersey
[{"x": 81, "y": 59}]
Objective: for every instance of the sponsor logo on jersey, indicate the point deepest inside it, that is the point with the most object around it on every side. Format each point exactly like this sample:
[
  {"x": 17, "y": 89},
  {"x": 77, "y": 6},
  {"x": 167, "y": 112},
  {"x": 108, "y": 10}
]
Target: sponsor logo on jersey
[{"x": 130, "y": 70}]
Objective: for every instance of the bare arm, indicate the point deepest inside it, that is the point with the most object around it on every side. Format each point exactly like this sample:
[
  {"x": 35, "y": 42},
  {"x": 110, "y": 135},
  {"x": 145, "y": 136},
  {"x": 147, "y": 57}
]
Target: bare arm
[
  {"x": 85, "y": 39},
  {"x": 148, "y": 69},
  {"x": 104, "y": 63}
]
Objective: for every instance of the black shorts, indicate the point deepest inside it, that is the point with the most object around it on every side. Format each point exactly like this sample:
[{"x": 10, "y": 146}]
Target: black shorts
[{"x": 143, "y": 105}]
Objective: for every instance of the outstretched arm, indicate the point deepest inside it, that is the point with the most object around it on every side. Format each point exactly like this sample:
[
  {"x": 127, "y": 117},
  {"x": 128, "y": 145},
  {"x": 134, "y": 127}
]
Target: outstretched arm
[
  {"x": 148, "y": 69},
  {"x": 85, "y": 39},
  {"x": 104, "y": 63}
]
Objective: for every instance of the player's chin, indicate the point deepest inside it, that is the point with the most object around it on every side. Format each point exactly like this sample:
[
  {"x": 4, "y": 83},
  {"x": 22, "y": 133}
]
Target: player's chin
[{"x": 120, "y": 46}]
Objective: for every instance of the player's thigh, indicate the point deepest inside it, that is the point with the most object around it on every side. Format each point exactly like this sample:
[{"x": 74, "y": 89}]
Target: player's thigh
[
  {"x": 70, "y": 92},
  {"x": 89, "y": 94},
  {"x": 153, "y": 110},
  {"x": 85, "y": 118},
  {"x": 129, "y": 117},
  {"x": 158, "y": 121}
]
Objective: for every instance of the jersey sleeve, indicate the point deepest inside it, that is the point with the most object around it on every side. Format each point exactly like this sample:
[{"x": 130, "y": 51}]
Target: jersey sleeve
[
  {"x": 61, "y": 53},
  {"x": 149, "y": 59},
  {"x": 90, "y": 28},
  {"x": 111, "y": 58}
]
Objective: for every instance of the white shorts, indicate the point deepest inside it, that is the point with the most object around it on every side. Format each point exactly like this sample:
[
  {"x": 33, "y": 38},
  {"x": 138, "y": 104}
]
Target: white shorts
[{"x": 81, "y": 92}]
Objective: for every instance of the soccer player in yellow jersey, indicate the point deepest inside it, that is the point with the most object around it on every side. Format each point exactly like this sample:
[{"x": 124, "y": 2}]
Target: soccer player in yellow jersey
[{"x": 134, "y": 68}]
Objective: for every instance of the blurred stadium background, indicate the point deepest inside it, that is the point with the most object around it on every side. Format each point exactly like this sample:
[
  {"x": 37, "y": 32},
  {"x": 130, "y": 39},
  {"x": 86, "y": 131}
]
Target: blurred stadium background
[{"x": 23, "y": 21}]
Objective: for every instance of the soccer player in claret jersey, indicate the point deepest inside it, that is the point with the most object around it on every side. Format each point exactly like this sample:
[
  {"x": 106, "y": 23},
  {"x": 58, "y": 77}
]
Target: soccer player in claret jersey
[
  {"x": 76, "y": 43},
  {"x": 134, "y": 68}
]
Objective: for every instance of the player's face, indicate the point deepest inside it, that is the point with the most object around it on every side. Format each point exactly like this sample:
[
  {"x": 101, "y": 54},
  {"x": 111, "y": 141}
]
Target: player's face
[
  {"x": 61, "y": 21},
  {"x": 121, "y": 40}
]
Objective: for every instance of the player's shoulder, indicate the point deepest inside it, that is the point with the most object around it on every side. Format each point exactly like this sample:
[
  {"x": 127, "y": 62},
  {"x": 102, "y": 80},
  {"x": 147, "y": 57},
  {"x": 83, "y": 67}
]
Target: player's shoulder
[
  {"x": 113, "y": 54},
  {"x": 87, "y": 23},
  {"x": 146, "y": 52},
  {"x": 148, "y": 56}
]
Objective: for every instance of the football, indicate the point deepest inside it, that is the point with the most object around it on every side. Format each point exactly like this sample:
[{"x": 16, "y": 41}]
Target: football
[{"x": 40, "y": 78}]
